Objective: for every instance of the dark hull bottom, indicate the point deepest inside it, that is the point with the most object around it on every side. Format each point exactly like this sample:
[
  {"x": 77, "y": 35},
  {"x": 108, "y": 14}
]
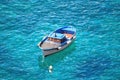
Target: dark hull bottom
[{"x": 46, "y": 53}]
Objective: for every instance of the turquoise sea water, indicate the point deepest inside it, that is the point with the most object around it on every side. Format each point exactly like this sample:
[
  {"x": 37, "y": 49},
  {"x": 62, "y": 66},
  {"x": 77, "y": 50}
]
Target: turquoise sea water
[{"x": 94, "y": 55}]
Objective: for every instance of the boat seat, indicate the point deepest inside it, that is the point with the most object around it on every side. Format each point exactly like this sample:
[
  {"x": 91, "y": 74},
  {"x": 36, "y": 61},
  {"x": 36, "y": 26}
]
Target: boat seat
[{"x": 68, "y": 35}]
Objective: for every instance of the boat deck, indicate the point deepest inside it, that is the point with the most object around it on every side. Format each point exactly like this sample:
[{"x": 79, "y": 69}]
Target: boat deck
[
  {"x": 68, "y": 35},
  {"x": 50, "y": 44}
]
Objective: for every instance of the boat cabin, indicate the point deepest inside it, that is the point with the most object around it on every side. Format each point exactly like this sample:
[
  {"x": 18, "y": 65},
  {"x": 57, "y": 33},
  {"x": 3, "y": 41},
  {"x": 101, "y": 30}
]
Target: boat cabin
[{"x": 57, "y": 37}]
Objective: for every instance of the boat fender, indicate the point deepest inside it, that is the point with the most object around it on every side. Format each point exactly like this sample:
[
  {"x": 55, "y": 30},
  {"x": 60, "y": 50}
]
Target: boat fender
[
  {"x": 68, "y": 42},
  {"x": 74, "y": 37},
  {"x": 59, "y": 48}
]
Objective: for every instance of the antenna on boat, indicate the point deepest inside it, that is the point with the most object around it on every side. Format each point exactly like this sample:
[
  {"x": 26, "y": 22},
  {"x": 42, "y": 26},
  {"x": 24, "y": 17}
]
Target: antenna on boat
[{"x": 55, "y": 35}]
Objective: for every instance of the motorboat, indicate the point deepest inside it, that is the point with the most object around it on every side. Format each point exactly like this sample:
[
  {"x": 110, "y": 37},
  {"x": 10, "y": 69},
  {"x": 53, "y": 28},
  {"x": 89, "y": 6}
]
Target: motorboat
[{"x": 57, "y": 40}]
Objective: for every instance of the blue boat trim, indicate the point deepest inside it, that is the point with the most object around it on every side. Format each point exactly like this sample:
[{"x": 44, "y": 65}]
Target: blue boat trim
[{"x": 57, "y": 40}]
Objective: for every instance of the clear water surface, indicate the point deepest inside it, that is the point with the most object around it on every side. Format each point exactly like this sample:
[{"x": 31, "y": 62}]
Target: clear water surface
[{"x": 94, "y": 55}]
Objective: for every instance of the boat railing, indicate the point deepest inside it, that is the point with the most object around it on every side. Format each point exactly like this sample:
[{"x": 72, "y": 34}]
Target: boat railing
[{"x": 43, "y": 40}]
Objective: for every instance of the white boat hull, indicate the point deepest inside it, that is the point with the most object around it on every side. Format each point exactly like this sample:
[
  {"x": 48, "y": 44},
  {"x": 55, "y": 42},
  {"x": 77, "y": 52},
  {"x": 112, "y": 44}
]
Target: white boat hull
[{"x": 49, "y": 52}]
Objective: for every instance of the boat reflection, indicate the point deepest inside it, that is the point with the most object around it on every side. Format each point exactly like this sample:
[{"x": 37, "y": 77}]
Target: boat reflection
[{"x": 56, "y": 57}]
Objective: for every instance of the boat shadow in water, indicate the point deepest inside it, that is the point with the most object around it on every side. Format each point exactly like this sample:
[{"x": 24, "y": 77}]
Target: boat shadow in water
[{"x": 56, "y": 57}]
